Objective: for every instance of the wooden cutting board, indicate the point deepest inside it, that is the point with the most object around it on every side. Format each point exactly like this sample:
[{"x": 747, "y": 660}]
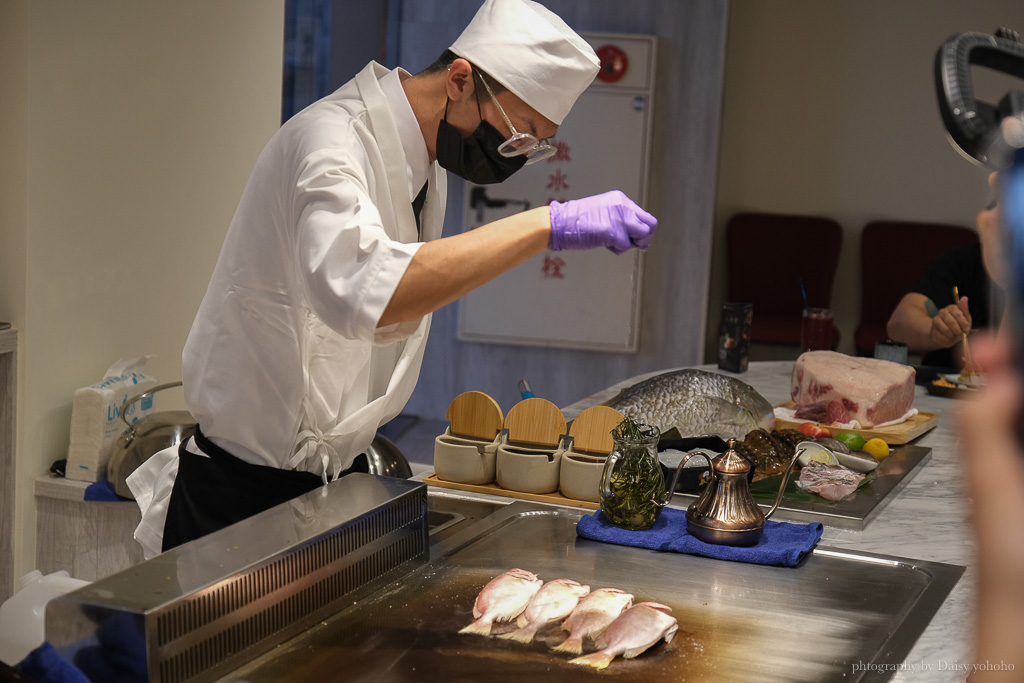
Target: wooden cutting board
[
  {"x": 592, "y": 429},
  {"x": 475, "y": 415},
  {"x": 535, "y": 421},
  {"x": 901, "y": 433}
]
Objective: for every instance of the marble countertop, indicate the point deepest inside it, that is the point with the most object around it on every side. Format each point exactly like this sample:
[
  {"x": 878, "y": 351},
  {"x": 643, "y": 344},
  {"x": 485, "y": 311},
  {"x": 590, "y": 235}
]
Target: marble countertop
[{"x": 927, "y": 520}]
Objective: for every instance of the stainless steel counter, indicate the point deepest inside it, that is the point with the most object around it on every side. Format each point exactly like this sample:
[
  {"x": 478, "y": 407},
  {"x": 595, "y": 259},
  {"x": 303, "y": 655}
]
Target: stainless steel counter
[
  {"x": 851, "y": 612},
  {"x": 837, "y": 616},
  {"x": 927, "y": 520}
]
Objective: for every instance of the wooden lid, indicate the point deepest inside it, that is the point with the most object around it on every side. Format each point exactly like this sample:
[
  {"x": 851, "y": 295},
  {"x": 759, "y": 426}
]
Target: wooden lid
[
  {"x": 475, "y": 415},
  {"x": 592, "y": 429},
  {"x": 535, "y": 421}
]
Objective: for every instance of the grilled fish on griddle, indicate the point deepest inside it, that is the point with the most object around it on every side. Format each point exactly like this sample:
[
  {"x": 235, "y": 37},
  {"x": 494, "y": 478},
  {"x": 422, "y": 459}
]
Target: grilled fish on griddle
[
  {"x": 554, "y": 601},
  {"x": 636, "y": 630},
  {"x": 503, "y": 598},
  {"x": 592, "y": 616}
]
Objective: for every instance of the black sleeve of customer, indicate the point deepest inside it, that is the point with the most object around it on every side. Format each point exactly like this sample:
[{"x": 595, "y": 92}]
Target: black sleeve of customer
[{"x": 963, "y": 268}]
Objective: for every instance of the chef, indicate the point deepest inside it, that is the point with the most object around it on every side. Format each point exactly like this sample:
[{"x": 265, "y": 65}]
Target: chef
[{"x": 313, "y": 327}]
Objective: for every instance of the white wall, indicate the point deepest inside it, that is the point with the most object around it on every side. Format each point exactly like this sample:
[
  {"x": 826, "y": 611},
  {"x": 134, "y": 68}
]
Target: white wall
[
  {"x": 143, "y": 121},
  {"x": 830, "y": 109}
]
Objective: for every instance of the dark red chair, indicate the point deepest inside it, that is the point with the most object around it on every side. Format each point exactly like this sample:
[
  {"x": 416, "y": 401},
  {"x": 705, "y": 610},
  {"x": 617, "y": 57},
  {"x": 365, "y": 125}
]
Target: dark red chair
[
  {"x": 768, "y": 255},
  {"x": 893, "y": 256}
]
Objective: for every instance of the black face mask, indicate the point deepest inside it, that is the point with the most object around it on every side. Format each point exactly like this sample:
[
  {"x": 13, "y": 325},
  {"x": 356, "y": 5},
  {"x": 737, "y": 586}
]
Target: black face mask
[{"x": 475, "y": 158}]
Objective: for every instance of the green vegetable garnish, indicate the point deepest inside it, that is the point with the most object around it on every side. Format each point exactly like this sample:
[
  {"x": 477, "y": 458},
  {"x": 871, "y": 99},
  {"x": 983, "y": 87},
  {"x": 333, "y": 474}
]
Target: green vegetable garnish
[{"x": 636, "y": 483}]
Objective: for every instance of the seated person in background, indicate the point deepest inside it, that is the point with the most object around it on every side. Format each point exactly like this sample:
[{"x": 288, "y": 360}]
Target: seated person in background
[{"x": 929, "y": 321}]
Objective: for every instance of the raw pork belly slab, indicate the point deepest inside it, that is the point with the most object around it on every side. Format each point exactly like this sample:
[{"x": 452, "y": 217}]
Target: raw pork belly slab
[{"x": 830, "y": 387}]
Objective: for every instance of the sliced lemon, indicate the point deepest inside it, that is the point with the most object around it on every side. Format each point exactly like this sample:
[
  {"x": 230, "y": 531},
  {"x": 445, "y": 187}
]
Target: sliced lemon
[{"x": 815, "y": 452}]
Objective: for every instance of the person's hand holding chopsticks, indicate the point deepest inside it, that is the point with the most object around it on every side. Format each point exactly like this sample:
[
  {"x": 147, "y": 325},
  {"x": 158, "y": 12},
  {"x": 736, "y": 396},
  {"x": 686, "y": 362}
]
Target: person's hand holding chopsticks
[
  {"x": 968, "y": 368},
  {"x": 951, "y": 324}
]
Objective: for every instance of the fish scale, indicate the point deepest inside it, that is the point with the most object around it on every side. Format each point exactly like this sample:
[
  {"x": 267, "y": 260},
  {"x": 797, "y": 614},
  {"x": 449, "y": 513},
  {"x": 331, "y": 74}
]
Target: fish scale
[{"x": 695, "y": 403}]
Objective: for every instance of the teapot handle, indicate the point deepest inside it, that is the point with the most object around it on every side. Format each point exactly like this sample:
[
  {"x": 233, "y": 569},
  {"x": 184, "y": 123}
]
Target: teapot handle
[
  {"x": 785, "y": 480},
  {"x": 679, "y": 470}
]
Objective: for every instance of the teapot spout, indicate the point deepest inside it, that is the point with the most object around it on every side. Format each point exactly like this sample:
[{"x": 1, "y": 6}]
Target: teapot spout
[{"x": 782, "y": 486}]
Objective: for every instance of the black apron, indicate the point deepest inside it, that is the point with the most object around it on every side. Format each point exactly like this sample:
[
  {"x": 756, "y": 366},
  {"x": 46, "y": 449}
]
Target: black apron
[{"x": 212, "y": 493}]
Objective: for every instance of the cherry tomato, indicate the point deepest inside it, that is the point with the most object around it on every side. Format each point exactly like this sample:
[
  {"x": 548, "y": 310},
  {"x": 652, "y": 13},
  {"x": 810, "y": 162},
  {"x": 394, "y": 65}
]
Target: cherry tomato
[{"x": 813, "y": 430}]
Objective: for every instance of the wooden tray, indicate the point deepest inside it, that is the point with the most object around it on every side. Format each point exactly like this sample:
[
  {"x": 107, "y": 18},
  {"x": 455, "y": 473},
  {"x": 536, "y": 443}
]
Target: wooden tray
[
  {"x": 495, "y": 490},
  {"x": 893, "y": 434}
]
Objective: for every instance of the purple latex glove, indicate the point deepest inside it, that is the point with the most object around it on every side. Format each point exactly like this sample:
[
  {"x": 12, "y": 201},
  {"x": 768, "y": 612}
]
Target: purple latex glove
[{"x": 605, "y": 220}]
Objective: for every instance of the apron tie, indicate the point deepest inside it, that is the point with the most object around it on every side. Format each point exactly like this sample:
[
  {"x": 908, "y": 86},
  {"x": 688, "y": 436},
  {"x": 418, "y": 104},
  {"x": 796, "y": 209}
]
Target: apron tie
[{"x": 311, "y": 443}]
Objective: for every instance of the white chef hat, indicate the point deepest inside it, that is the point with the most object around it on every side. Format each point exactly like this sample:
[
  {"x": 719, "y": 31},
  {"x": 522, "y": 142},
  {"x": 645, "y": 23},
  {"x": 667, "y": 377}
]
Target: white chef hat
[{"x": 532, "y": 52}]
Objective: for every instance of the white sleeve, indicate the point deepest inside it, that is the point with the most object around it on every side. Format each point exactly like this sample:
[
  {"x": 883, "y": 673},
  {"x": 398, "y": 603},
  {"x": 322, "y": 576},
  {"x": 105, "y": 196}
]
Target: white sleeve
[{"x": 348, "y": 264}]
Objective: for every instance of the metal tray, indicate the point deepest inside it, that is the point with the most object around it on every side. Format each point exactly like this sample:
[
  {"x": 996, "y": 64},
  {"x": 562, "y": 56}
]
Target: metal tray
[
  {"x": 853, "y": 512},
  {"x": 826, "y": 619}
]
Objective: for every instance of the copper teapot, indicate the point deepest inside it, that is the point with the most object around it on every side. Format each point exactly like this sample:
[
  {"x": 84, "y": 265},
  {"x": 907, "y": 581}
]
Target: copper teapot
[{"x": 725, "y": 512}]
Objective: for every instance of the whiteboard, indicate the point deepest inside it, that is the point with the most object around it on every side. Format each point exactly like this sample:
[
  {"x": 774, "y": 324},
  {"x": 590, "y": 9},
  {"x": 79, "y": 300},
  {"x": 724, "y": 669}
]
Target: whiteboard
[{"x": 573, "y": 299}]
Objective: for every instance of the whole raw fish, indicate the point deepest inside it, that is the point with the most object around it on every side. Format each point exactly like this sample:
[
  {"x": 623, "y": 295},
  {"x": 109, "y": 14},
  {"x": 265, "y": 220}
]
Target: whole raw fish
[
  {"x": 503, "y": 598},
  {"x": 592, "y": 616},
  {"x": 555, "y": 600},
  {"x": 636, "y": 629},
  {"x": 695, "y": 403}
]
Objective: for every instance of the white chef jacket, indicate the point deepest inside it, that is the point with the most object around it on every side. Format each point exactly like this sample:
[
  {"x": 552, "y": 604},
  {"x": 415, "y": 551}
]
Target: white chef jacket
[{"x": 285, "y": 365}]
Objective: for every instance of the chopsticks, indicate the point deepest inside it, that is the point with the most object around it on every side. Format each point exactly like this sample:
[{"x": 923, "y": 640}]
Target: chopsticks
[{"x": 968, "y": 369}]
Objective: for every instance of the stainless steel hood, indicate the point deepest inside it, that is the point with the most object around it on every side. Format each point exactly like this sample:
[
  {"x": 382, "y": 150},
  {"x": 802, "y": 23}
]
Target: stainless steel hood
[{"x": 207, "y": 607}]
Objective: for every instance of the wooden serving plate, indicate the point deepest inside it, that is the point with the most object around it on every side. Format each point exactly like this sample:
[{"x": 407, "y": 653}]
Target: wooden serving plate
[
  {"x": 901, "y": 433},
  {"x": 495, "y": 490}
]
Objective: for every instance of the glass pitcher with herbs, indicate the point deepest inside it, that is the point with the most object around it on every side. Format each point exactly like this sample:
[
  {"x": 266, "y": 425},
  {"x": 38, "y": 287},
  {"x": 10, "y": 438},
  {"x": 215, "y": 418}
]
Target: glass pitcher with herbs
[{"x": 632, "y": 485}]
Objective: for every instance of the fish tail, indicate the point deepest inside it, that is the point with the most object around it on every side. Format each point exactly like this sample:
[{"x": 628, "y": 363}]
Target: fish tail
[
  {"x": 522, "y": 635},
  {"x": 480, "y": 627},
  {"x": 571, "y": 645},
  {"x": 635, "y": 652},
  {"x": 598, "y": 660}
]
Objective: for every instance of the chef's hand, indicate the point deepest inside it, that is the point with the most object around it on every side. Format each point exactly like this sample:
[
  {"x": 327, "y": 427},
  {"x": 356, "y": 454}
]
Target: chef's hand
[
  {"x": 950, "y": 324},
  {"x": 606, "y": 220}
]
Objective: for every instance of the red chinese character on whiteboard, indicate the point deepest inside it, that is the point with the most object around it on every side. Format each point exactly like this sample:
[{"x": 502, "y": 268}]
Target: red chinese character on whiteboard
[
  {"x": 558, "y": 181},
  {"x": 553, "y": 267},
  {"x": 561, "y": 151}
]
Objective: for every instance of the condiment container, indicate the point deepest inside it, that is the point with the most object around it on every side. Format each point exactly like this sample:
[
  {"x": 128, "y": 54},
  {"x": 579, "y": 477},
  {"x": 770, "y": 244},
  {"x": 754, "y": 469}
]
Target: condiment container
[{"x": 632, "y": 484}]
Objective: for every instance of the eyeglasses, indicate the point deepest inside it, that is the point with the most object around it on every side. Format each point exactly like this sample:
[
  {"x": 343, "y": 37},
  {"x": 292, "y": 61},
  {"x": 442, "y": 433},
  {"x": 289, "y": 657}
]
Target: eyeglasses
[{"x": 520, "y": 144}]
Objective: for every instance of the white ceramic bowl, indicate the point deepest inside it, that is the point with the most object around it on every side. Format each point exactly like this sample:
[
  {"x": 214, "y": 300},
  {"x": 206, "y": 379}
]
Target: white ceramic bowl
[
  {"x": 528, "y": 470},
  {"x": 579, "y": 477},
  {"x": 465, "y": 461}
]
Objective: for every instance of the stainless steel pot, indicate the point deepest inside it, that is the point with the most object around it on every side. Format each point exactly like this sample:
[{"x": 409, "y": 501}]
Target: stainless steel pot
[
  {"x": 386, "y": 459},
  {"x": 161, "y": 430},
  {"x": 146, "y": 437}
]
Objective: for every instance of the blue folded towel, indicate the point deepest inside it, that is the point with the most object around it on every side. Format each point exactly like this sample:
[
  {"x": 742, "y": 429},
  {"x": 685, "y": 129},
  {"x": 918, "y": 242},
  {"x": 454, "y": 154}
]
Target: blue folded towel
[
  {"x": 102, "y": 490},
  {"x": 44, "y": 664},
  {"x": 783, "y": 544}
]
